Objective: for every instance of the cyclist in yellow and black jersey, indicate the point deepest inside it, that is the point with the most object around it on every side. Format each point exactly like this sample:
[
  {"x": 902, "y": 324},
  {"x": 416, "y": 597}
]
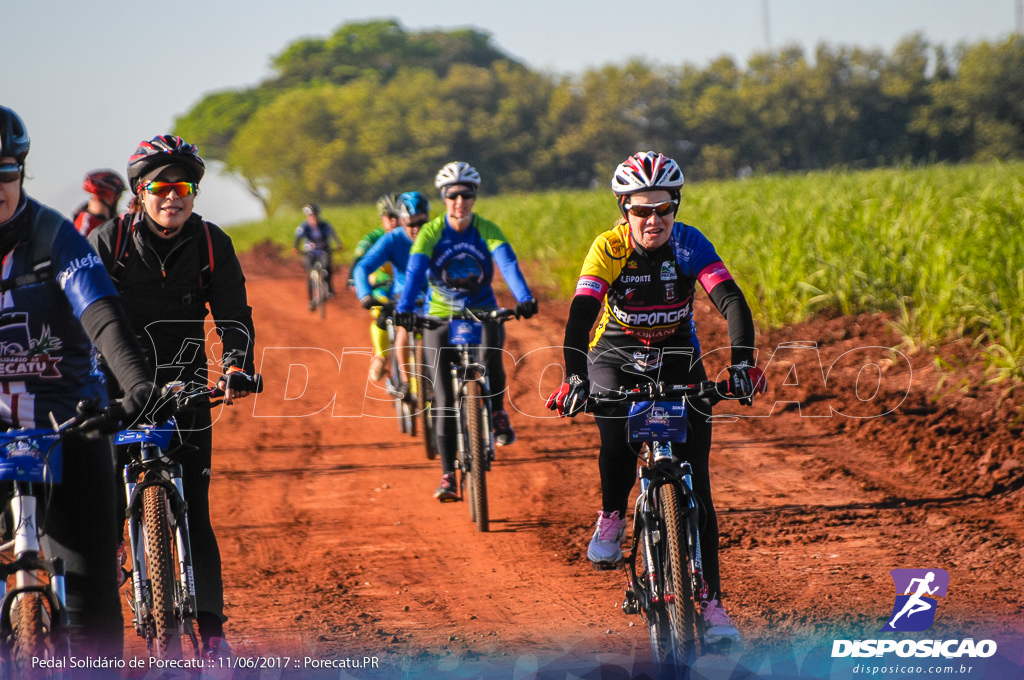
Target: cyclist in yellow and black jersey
[{"x": 641, "y": 277}]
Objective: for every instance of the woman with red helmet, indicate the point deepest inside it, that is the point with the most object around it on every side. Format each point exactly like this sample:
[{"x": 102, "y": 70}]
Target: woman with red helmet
[
  {"x": 640, "y": 277},
  {"x": 170, "y": 267},
  {"x": 106, "y": 187}
]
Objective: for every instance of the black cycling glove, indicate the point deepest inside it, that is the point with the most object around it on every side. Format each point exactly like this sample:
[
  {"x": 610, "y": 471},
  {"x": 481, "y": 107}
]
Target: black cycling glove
[{"x": 526, "y": 308}]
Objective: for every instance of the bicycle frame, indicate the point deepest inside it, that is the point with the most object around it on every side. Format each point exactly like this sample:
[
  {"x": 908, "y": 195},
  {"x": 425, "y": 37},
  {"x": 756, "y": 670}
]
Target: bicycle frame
[
  {"x": 149, "y": 467},
  {"x": 471, "y": 369}
]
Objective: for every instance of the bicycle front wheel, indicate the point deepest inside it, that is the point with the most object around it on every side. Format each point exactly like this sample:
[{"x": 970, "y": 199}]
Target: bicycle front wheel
[
  {"x": 477, "y": 481},
  {"x": 156, "y": 531},
  {"x": 29, "y": 634},
  {"x": 684, "y": 622}
]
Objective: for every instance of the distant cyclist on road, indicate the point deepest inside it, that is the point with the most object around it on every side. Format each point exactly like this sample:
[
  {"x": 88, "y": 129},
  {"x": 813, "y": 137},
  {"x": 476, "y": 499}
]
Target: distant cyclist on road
[
  {"x": 393, "y": 248},
  {"x": 106, "y": 187},
  {"x": 317, "y": 239},
  {"x": 380, "y": 281},
  {"x": 640, "y": 277},
  {"x": 456, "y": 253}
]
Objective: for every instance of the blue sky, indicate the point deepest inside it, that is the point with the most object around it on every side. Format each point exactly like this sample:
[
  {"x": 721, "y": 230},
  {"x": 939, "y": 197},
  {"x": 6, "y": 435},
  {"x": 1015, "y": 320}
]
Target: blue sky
[{"x": 91, "y": 80}]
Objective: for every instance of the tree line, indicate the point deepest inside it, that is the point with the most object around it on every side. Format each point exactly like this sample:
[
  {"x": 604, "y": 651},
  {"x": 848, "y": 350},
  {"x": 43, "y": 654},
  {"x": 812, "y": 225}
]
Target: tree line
[{"x": 375, "y": 108}]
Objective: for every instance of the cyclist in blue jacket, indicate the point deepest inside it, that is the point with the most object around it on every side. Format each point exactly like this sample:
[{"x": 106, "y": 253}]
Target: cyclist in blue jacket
[
  {"x": 48, "y": 326},
  {"x": 456, "y": 254},
  {"x": 393, "y": 247},
  {"x": 318, "y": 239}
]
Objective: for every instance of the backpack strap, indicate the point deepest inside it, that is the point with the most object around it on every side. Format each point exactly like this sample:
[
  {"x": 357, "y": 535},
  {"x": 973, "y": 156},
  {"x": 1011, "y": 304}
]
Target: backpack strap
[
  {"x": 206, "y": 263},
  {"x": 122, "y": 246},
  {"x": 45, "y": 224}
]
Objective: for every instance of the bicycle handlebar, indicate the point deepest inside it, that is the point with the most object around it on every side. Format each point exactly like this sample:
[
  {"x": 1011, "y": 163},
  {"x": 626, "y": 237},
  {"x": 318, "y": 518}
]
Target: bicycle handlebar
[
  {"x": 427, "y": 322},
  {"x": 706, "y": 392},
  {"x": 89, "y": 418}
]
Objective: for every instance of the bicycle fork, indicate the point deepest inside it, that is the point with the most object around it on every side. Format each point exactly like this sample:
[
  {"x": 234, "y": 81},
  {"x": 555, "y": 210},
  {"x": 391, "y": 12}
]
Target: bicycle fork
[
  {"x": 469, "y": 371},
  {"x": 647, "y": 537},
  {"x": 141, "y": 588},
  {"x": 27, "y": 564}
]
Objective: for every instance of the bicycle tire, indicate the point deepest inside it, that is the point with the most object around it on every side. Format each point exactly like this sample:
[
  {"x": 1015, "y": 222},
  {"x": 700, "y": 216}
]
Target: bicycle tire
[
  {"x": 477, "y": 456},
  {"x": 413, "y": 399},
  {"x": 29, "y": 633},
  {"x": 319, "y": 290},
  {"x": 423, "y": 407},
  {"x": 166, "y": 642},
  {"x": 680, "y": 602}
]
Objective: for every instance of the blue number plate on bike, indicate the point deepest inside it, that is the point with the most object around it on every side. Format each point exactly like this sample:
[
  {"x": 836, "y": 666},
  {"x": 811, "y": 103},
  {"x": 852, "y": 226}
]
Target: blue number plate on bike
[
  {"x": 464, "y": 332},
  {"x": 30, "y": 456},
  {"x": 159, "y": 436},
  {"x": 662, "y": 421}
]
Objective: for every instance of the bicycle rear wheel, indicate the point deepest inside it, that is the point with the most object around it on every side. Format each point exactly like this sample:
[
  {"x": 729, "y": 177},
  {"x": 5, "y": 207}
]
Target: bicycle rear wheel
[
  {"x": 477, "y": 450},
  {"x": 423, "y": 399},
  {"x": 156, "y": 532},
  {"x": 683, "y": 639}
]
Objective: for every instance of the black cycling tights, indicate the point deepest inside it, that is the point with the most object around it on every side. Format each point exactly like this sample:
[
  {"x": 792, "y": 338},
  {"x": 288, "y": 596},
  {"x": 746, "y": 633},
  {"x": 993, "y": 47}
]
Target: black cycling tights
[
  {"x": 617, "y": 460},
  {"x": 438, "y": 372}
]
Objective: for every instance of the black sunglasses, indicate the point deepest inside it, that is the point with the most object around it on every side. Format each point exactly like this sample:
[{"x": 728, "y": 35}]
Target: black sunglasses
[
  {"x": 416, "y": 224},
  {"x": 10, "y": 172},
  {"x": 464, "y": 195}
]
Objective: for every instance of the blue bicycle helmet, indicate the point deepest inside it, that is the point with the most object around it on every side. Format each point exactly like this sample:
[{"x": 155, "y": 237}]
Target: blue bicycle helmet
[{"x": 413, "y": 203}]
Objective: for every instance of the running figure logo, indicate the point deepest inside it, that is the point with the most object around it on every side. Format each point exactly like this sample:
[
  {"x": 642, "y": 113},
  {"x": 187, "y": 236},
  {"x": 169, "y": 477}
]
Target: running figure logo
[{"x": 915, "y": 607}]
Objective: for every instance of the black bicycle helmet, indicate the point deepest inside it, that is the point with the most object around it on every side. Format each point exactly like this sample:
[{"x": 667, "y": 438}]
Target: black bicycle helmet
[
  {"x": 160, "y": 151},
  {"x": 311, "y": 209},
  {"x": 14, "y": 141}
]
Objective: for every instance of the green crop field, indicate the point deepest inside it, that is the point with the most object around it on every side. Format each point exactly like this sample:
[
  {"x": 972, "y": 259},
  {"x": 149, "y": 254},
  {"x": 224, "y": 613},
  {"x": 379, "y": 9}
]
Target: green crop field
[{"x": 940, "y": 248}]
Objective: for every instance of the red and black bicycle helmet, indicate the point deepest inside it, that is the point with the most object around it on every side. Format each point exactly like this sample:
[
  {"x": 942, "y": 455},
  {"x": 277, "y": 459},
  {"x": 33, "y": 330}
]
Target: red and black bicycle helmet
[
  {"x": 160, "y": 151},
  {"x": 14, "y": 141},
  {"x": 107, "y": 185}
]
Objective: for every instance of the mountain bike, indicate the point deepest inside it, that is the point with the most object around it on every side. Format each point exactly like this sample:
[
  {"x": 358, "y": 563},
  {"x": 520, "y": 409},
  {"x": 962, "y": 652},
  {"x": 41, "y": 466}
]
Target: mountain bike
[
  {"x": 33, "y": 612},
  {"x": 319, "y": 289},
  {"x": 471, "y": 390},
  {"x": 163, "y": 595},
  {"x": 664, "y": 574}
]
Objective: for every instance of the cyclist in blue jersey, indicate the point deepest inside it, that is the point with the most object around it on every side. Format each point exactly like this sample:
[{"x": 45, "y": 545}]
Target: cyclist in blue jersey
[
  {"x": 50, "y": 318},
  {"x": 640, "y": 277},
  {"x": 456, "y": 253},
  {"x": 393, "y": 247},
  {"x": 318, "y": 239}
]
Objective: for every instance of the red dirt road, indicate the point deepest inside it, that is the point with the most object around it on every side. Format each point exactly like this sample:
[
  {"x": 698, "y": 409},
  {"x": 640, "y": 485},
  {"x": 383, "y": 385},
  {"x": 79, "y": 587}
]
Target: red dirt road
[{"x": 335, "y": 549}]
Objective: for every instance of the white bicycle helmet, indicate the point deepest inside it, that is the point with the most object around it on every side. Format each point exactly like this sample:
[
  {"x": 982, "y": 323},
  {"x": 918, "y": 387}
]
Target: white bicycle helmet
[
  {"x": 645, "y": 171},
  {"x": 456, "y": 172}
]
